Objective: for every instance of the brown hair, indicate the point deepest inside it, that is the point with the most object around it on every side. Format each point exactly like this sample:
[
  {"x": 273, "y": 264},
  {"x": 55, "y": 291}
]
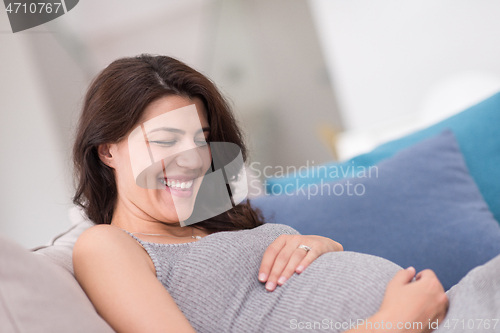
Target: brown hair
[{"x": 114, "y": 103}]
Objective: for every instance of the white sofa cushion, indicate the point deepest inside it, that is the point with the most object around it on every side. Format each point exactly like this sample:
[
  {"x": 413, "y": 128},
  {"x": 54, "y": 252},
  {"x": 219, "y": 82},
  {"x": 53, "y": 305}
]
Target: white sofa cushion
[
  {"x": 38, "y": 295},
  {"x": 60, "y": 248}
]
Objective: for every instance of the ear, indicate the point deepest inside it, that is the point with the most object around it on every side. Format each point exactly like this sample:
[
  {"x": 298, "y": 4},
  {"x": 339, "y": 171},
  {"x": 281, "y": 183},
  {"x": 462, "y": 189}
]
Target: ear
[{"x": 105, "y": 155}]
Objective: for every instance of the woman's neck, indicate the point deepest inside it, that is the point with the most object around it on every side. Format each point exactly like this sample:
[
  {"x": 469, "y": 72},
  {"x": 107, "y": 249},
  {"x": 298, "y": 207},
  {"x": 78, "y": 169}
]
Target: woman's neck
[{"x": 140, "y": 222}]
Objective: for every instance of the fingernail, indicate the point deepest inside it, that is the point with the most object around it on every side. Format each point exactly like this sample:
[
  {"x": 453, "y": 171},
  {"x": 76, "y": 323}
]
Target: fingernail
[
  {"x": 281, "y": 280},
  {"x": 262, "y": 277},
  {"x": 410, "y": 268},
  {"x": 300, "y": 269},
  {"x": 270, "y": 286}
]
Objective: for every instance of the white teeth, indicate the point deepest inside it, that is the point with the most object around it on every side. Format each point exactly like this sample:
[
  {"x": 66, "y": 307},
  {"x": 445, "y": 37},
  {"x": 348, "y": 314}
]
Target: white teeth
[{"x": 177, "y": 184}]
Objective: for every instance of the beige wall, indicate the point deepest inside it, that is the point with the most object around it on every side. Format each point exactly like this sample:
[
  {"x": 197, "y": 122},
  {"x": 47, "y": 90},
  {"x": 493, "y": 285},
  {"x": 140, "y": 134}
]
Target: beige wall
[{"x": 34, "y": 192}]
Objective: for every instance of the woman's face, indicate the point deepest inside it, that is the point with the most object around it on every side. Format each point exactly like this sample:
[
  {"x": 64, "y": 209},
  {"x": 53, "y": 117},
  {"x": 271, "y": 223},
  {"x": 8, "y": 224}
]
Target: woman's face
[{"x": 159, "y": 167}]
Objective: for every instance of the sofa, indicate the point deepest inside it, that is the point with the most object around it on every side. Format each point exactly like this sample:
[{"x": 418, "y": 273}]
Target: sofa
[{"x": 431, "y": 201}]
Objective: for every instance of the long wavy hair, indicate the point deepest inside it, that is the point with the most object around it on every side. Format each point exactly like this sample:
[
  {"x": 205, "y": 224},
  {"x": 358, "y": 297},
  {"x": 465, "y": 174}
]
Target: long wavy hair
[{"x": 114, "y": 103}]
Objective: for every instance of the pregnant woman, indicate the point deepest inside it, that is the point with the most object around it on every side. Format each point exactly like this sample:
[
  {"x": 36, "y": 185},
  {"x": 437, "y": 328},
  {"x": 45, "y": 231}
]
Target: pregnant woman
[{"x": 143, "y": 155}]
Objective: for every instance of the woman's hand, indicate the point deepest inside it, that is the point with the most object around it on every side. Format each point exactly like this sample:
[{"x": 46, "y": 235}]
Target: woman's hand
[
  {"x": 284, "y": 257},
  {"x": 408, "y": 301}
]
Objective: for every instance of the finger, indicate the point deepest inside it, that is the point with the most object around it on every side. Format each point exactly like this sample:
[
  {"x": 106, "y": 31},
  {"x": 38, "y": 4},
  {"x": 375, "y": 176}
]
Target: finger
[
  {"x": 281, "y": 262},
  {"x": 446, "y": 305},
  {"x": 426, "y": 274},
  {"x": 296, "y": 258},
  {"x": 445, "y": 301},
  {"x": 269, "y": 257},
  {"x": 279, "y": 265},
  {"x": 307, "y": 260},
  {"x": 431, "y": 279},
  {"x": 404, "y": 276}
]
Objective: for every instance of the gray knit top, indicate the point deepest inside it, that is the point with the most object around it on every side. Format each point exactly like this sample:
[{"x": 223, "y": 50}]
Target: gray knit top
[{"x": 214, "y": 282}]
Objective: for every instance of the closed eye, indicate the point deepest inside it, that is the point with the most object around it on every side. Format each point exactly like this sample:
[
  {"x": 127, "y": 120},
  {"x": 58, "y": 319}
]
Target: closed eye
[
  {"x": 171, "y": 143},
  {"x": 164, "y": 143},
  {"x": 201, "y": 143}
]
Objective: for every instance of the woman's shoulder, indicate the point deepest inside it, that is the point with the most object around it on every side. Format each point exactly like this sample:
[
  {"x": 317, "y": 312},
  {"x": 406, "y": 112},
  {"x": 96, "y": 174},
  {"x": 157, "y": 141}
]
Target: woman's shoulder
[
  {"x": 100, "y": 235},
  {"x": 106, "y": 243}
]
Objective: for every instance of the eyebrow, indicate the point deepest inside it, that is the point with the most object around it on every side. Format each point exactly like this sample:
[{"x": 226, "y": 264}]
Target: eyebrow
[{"x": 176, "y": 130}]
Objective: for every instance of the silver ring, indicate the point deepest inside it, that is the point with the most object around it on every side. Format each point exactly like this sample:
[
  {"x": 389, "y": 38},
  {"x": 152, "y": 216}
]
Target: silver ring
[{"x": 305, "y": 247}]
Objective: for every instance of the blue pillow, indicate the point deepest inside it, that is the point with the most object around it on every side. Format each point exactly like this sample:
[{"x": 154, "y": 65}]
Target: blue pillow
[
  {"x": 477, "y": 130},
  {"x": 421, "y": 209}
]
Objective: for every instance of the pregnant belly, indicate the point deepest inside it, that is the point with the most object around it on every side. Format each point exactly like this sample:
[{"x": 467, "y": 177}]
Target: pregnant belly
[
  {"x": 338, "y": 286},
  {"x": 226, "y": 295}
]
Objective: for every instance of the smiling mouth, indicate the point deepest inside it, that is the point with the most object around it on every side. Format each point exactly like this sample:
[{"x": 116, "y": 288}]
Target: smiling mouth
[{"x": 177, "y": 184}]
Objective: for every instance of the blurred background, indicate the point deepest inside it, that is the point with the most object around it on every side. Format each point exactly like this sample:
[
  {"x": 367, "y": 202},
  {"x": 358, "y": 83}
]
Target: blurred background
[{"x": 310, "y": 81}]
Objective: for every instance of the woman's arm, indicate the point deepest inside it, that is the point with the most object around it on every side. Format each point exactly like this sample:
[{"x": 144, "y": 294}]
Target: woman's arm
[{"x": 114, "y": 271}]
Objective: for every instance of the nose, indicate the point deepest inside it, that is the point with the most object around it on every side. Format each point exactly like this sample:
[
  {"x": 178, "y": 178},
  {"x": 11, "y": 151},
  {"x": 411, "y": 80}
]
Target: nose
[{"x": 191, "y": 158}]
